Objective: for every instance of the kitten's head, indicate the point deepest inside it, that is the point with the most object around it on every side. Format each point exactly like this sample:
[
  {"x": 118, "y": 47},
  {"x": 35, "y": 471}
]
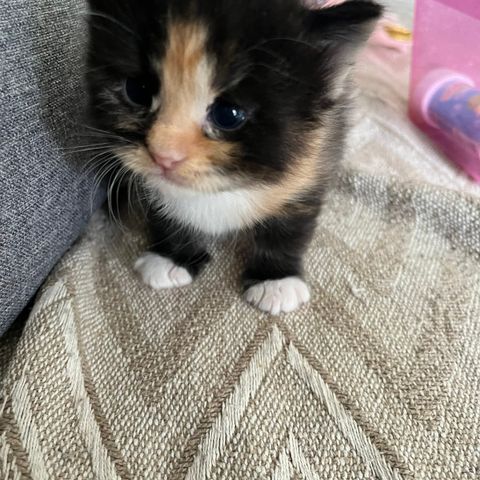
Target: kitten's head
[{"x": 214, "y": 95}]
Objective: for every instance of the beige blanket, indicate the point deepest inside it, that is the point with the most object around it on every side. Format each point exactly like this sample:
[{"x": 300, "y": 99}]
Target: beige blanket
[{"x": 379, "y": 378}]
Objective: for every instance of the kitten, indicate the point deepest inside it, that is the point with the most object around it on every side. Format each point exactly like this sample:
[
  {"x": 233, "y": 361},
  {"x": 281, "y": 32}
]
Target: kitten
[{"x": 233, "y": 115}]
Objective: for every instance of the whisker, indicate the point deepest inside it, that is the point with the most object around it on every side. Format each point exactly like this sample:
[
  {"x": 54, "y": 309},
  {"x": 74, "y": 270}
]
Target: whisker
[
  {"x": 96, "y": 166},
  {"x": 87, "y": 148},
  {"x": 117, "y": 178},
  {"x": 287, "y": 39},
  {"x": 99, "y": 157},
  {"x": 135, "y": 207},
  {"x": 98, "y": 181},
  {"x": 141, "y": 195},
  {"x": 93, "y": 13},
  {"x": 119, "y": 185},
  {"x": 95, "y": 131},
  {"x": 118, "y": 38},
  {"x": 106, "y": 66},
  {"x": 282, "y": 73},
  {"x": 129, "y": 197}
]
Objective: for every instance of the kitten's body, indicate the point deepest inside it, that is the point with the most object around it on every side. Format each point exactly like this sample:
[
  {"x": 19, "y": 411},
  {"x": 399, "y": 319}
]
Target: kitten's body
[{"x": 233, "y": 114}]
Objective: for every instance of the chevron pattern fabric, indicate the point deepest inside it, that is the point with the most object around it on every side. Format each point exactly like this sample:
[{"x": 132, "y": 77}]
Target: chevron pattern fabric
[{"x": 378, "y": 378}]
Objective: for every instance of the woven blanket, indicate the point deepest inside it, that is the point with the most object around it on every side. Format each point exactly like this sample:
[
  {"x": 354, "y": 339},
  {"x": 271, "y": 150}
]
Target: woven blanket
[{"x": 378, "y": 378}]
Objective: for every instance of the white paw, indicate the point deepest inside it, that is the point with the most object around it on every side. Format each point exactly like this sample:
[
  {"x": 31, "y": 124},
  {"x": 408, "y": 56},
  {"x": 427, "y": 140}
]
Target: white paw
[
  {"x": 161, "y": 273},
  {"x": 279, "y": 296}
]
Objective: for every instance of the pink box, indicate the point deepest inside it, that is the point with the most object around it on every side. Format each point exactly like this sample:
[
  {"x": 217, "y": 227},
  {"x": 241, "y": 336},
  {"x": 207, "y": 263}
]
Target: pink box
[{"x": 445, "y": 86}]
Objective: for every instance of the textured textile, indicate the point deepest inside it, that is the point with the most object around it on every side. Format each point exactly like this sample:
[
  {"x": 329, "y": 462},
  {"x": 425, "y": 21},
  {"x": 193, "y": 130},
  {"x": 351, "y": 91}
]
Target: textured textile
[
  {"x": 377, "y": 379},
  {"x": 45, "y": 198}
]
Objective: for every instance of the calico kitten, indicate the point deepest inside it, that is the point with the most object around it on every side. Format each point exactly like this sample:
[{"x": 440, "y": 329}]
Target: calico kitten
[{"x": 233, "y": 115}]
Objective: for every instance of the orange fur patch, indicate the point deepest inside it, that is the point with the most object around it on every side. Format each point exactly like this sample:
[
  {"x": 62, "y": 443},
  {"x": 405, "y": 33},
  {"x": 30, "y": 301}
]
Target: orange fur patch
[
  {"x": 302, "y": 175},
  {"x": 187, "y": 73}
]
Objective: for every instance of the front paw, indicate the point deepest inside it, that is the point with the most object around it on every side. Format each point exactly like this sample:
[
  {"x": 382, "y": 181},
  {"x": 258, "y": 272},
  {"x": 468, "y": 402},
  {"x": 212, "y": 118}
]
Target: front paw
[
  {"x": 161, "y": 273},
  {"x": 279, "y": 296}
]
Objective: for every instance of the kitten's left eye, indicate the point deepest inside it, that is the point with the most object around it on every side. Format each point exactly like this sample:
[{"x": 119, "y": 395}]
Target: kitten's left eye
[
  {"x": 226, "y": 116},
  {"x": 138, "y": 92}
]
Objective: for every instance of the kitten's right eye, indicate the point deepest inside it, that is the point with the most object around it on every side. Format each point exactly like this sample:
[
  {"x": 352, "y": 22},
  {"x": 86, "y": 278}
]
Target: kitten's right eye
[{"x": 138, "y": 92}]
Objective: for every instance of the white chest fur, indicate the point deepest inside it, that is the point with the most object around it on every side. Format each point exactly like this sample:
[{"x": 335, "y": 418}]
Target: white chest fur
[{"x": 213, "y": 214}]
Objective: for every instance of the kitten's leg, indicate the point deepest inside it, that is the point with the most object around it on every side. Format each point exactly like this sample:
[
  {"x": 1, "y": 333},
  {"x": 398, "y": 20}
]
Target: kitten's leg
[
  {"x": 273, "y": 278},
  {"x": 175, "y": 257}
]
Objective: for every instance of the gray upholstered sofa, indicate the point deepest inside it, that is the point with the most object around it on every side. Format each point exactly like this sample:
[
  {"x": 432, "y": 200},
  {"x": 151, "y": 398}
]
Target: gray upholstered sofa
[{"x": 45, "y": 196}]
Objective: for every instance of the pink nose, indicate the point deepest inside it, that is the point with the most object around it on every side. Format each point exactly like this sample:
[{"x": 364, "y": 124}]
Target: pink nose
[{"x": 168, "y": 159}]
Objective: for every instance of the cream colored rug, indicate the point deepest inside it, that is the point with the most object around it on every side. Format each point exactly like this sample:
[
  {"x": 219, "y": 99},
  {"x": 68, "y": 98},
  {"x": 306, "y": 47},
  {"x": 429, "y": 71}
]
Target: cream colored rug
[{"x": 379, "y": 378}]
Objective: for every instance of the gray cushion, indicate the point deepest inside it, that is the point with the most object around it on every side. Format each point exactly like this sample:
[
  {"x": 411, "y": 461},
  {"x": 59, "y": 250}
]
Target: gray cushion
[{"x": 45, "y": 198}]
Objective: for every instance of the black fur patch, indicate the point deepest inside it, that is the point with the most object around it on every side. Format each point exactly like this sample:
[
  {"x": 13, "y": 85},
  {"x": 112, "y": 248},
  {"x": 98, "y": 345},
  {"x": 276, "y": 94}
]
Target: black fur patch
[
  {"x": 278, "y": 60},
  {"x": 172, "y": 240}
]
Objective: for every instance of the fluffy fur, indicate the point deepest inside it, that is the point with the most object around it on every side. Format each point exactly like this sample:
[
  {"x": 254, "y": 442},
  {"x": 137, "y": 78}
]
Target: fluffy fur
[{"x": 285, "y": 66}]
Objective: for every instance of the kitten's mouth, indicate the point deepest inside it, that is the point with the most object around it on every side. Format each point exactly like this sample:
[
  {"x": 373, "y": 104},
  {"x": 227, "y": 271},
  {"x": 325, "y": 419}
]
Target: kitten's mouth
[
  {"x": 174, "y": 177},
  {"x": 170, "y": 176},
  {"x": 194, "y": 181}
]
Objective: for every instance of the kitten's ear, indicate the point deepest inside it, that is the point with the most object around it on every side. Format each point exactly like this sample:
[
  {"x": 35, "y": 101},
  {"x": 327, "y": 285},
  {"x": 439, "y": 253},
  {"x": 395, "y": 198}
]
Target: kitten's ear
[{"x": 344, "y": 27}]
